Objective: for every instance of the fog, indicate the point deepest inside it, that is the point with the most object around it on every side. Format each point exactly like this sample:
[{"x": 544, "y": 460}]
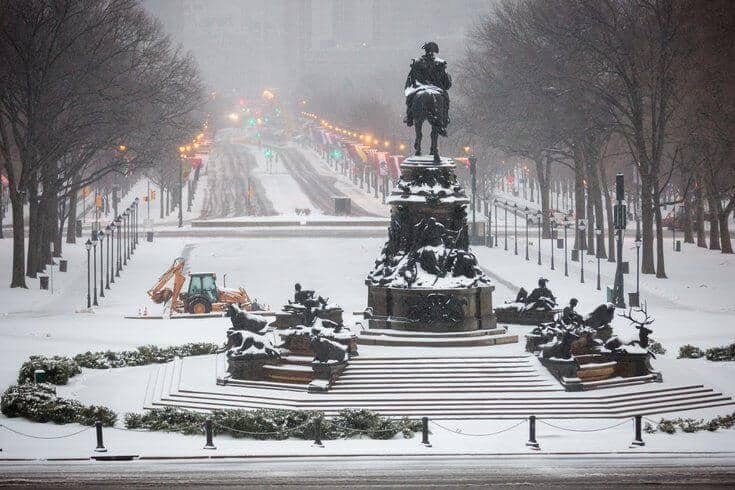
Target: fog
[{"x": 301, "y": 48}]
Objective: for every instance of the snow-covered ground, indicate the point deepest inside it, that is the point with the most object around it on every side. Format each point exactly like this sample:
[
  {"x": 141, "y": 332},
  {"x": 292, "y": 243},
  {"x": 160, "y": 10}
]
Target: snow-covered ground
[{"x": 39, "y": 322}]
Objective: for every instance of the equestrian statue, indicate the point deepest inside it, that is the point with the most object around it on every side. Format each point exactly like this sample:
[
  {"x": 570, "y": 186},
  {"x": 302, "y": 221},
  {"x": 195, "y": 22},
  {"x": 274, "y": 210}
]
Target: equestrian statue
[{"x": 427, "y": 98}]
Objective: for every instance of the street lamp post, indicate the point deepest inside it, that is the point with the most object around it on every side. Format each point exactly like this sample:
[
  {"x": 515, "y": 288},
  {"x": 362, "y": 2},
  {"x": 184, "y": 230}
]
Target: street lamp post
[
  {"x": 473, "y": 172},
  {"x": 125, "y": 237},
  {"x": 581, "y": 227},
  {"x": 101, "y": 236},
  {"x": 495, "y": 202},
  {"x": 620, "y": 220},
  {"x": 110, "y": 235},
  {"x": 598, "y": 234},
  {"x": 94, "y": 267},
  {"x": 525, "y": 216},
  {"x": 118, "y": 225},
  {"x": 566, "y": 262},
  {"x": 552, "y": 224},
  {"x": 181, "y": 191},
  {"x": 112, "y": 264},
  {"x": 638, "y": 243},
  {"x": 539, "y": 214},
  {"x": 505, "y": 207},
  {"x": 88, "y": 246},
  {"x": 515, "y": 229}
]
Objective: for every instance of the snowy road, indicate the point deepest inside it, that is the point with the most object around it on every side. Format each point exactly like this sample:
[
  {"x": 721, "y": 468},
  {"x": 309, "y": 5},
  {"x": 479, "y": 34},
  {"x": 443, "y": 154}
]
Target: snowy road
[
  {"x": 320, "y": 188},
  {"x": 603, "y": 471},
  {"x": 229, "y": 172}
]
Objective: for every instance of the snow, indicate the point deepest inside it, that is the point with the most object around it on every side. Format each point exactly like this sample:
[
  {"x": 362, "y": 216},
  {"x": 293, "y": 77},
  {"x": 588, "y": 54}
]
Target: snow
[{"x": 692, "y": 306}]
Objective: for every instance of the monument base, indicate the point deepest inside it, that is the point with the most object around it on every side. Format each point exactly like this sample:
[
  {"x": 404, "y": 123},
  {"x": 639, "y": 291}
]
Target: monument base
[{"x": 431, "y": 310}]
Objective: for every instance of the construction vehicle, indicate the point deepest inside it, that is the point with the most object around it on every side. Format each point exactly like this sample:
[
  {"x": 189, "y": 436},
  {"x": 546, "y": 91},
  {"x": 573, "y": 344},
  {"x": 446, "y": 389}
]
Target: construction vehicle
[{"x": 203, "y": 295}]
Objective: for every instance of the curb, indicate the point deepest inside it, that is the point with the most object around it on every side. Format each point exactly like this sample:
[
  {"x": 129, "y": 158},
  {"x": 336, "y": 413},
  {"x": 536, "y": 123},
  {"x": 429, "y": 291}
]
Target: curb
[{"x": 530, "y": 455}]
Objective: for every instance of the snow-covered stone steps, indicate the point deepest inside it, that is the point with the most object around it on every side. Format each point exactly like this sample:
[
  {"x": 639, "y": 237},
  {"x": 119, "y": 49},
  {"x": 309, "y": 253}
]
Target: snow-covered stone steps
[
  {"x": 398, "y": 338},
  {"x": 369, "y": 332},
  {"x": 182, "y": 384}
]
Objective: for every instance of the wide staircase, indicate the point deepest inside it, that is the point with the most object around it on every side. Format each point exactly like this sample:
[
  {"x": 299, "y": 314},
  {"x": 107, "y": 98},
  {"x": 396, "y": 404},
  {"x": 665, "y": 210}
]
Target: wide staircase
[
  {"x": 405, "y": 338},
  {"x": 507, "y": 387}
]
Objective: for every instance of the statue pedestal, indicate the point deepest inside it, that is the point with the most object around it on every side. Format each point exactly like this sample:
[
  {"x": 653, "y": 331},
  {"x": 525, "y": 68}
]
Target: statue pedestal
[
  {"x": 431, "y": 310},
  {"x": 325, "y": 373}
]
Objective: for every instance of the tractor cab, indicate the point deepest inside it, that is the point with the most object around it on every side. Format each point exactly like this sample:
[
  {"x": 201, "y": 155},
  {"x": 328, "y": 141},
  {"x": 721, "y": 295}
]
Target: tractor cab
[{"x": 202, "y": 292}]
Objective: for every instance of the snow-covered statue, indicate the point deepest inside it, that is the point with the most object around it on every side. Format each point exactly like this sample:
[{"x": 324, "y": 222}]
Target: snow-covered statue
[
  {"x": 541, "y": 298},
  {"x": 243, "y": 320},
  {"x": 326, "y": 350},
  {"x": 426, "y": 96},
  {"x": 600, "y": 316}
]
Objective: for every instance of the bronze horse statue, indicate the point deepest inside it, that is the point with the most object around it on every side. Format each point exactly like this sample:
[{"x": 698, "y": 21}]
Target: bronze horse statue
[{"x": 428, "y": 105}]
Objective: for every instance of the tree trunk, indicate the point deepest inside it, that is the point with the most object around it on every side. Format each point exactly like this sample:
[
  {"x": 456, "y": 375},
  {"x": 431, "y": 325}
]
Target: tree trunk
[
  {"x": 71, "y": 225},
  {"x": 18, "y": 279},
  {"x": 608, "y": 213},
  {"x": 660, "y": 267},
  {"x": 647, "y": 264},
  {"x": 59, "y": 228},
  {"x": 590, "y": 222},
  {"x": 34, "y": 230},
  {"x": 699, "y": 213},
  {"x": 580, "y": 239},
  {"x": 161, "y": 201},
  {"x": 714, "y": 225},
  {"x": 2, "y": 211},
  {"x": 687, "y": 224}
]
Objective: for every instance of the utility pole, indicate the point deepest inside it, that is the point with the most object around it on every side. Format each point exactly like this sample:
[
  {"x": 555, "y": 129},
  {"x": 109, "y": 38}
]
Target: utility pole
[{"x": 620, "y": 219}]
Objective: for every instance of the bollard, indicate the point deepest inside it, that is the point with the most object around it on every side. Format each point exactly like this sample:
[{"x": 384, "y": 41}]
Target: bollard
[
  {"x": 638, "y": 435},
  {"x": 208, "y": 433},
  {"x": 43, "y": 282},
  {"x": 100, "y": 445},
  {"x": 425, "y": 431},
  {"x": 532, "y": 433},
  {"x": 318, "y": 433},
  {"x": 63, "y": 265}
]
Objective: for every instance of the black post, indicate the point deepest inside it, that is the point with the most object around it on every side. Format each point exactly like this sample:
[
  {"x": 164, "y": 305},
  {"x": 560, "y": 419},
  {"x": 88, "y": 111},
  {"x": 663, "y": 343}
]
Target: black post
[
  {"x": 532, "y": 433},
  {"x": 89, "y": 297},
  {"x": 112, "y": 264},
  {"x": 525, "y": 216},
  {"x": 425, "y": 431},
  {"x": 505, "y": 206},
  {"x": 100, "y": 445},
  {"x": 208, "y": 432},
  {"x": 673, "y": 228},
  {"x": 598, "y": 273},
  {"x": 620, "y": 222},
  {"x": 94, "y": 267},
  {"x": 638, "y": 441},
  {"x": 552, "y": 224},
  {"x": 488, "y": 232},
  {"x": 318, "y": 432},
  {"x": 515, "y": 229},
  {"x": 110, "y": 237},
  {"x": 566, "y": 262},
  {"x": 539, "y": 238},
  {"x": 181, "y": 192},
  {"x": 102, "y": 267},
  {"x": 119, "y": 246}
]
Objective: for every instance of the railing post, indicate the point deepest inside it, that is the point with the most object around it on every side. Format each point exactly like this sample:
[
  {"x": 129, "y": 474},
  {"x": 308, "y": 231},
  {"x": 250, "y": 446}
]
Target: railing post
[
  {"x": 208, "y": 434},
  {"x": 638, "y": 435},
  {"x": 100, "y": 445},
  {"x": 318, "y": 432},
  {"x": 425, "y": 431},
  {"x": 532, "y": 433}
]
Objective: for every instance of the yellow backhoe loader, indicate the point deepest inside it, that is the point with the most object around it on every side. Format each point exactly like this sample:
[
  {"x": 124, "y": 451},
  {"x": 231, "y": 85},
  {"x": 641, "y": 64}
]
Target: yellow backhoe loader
[{"x": 202, "y": 296}]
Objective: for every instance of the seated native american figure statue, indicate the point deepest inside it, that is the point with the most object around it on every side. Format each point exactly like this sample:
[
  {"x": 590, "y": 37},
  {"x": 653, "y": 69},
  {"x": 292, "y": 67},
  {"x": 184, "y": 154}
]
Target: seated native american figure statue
[
  {"x": 541, "y": 298},
  {"x": 569, "y": 316}
]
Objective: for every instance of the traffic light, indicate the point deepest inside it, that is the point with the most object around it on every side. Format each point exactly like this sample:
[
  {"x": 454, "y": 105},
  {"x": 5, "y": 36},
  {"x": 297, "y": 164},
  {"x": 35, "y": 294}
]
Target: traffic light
[
  {"x": 268, "y": 153},
  {"x": 336, "y": 153}
]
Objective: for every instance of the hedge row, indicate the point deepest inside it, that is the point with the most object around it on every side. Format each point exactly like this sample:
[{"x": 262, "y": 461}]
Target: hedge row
[
  {"x": 274, "y": 423},
  {"x": 670, "y": 426},
  {"x": 59, "y": 369},
  {"x": 724, "y": 353},
  {"x": 39, "y": 403}
]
